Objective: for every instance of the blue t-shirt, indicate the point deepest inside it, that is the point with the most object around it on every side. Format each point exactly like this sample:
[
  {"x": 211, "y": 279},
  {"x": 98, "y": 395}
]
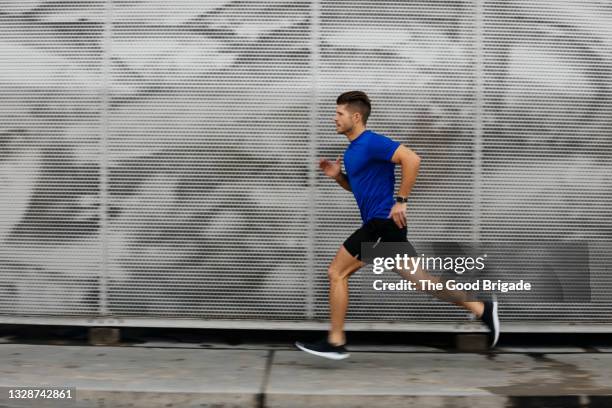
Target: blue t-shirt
[{"x": 371, "y": 173}]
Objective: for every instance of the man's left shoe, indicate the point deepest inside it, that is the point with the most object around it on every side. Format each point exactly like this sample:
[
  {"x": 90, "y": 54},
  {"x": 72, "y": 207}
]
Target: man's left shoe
[
  {"x": 491, "y": 320},
  {"x": 323, "y": 348}
]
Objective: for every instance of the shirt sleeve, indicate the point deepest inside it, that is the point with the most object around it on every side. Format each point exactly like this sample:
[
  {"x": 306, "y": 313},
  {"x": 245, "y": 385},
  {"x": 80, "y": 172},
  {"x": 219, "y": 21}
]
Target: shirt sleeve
[{"x": 382, "y": 148}]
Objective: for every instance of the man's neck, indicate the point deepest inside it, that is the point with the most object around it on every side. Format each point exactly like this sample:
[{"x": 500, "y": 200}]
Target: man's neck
[{"x": 354, "y": 133}]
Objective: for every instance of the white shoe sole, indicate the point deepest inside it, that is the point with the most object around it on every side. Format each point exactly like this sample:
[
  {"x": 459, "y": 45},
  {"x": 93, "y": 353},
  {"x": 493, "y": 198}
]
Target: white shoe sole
[
  {"x": 495, "y": 324},
  {"x": 332, "y": 356}
]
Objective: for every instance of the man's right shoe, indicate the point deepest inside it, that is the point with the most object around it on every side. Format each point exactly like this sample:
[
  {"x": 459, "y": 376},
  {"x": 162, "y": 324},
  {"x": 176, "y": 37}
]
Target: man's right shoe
[
  {"x": 323, "y": 348},
  {"x": 491, "y": 320}
]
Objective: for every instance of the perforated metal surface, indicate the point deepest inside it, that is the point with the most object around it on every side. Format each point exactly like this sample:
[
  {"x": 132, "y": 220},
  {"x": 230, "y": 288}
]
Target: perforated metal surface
[{"x": 159, "y": 159}]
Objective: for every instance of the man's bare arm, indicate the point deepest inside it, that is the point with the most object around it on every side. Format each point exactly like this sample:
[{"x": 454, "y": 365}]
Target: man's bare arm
[
  {"x": 410, "y": 163},
  {"x": 333, "y": 170},
  {"x": 343, "y": 181}
]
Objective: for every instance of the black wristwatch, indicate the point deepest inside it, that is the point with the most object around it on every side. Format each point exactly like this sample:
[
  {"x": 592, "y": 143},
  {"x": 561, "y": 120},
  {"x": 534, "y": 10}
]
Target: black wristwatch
[{"x": 401, "y": 199}]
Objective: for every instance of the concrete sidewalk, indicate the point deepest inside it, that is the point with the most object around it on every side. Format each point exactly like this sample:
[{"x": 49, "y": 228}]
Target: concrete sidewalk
[{"x": 162, "y": 376}]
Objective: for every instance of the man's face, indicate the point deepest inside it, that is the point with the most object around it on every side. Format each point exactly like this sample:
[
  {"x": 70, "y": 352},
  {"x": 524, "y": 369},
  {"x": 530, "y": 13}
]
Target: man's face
[{"x": 345, "y": 119}]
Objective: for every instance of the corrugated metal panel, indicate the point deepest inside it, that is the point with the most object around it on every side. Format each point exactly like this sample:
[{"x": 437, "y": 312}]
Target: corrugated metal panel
[
  {"x": 547, "y": 136},
  {"x": 158, "y": 159},
  {"x": 50, "y": 87},
  {"x": 209, "y": 159}
]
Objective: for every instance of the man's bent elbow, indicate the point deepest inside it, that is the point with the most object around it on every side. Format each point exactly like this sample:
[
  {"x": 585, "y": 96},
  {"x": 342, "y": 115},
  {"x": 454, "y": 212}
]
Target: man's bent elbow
[{"x": 413, "y": 160}]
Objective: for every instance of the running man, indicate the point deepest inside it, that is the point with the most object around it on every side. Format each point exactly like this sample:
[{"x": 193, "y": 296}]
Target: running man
[{"x": 369, "y": 160}]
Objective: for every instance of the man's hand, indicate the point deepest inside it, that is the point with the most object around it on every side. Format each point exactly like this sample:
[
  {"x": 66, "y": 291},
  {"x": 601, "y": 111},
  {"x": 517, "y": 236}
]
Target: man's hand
[
  {"x": 331, "y": 169},
  {"x": 398, "y": 214}
]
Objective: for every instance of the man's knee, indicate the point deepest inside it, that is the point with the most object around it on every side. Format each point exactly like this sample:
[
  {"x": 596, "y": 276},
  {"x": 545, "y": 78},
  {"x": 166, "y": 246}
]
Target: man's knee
[{"x": 335, "y": 274}]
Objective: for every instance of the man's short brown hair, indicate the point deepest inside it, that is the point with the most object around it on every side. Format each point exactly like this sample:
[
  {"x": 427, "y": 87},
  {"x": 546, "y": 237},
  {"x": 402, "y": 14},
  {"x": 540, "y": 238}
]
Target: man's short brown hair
[{"x": 357, "y": 101}]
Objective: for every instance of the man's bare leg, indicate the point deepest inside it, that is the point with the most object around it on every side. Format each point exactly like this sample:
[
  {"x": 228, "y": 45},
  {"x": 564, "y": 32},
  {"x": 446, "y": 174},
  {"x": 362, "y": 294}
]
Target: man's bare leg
[
  {"x": 340, "y": 269},
  {"x": 458, "y": 297}
]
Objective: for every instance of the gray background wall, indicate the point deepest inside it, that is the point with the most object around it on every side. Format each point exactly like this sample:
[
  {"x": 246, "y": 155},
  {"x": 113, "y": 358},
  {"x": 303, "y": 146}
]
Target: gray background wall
[{"x": 159, "y": 159}]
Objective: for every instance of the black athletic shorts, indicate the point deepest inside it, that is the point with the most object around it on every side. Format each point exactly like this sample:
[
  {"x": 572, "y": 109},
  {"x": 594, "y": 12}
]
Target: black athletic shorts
[{"x": 375, "y": 230}]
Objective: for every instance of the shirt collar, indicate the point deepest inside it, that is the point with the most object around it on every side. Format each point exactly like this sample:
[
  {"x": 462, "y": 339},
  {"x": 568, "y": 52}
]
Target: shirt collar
[{"x": 364, "y": 131}]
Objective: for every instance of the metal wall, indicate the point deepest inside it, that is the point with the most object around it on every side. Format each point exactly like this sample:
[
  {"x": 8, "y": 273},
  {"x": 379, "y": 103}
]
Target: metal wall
[{"x": 158, "y": 159}]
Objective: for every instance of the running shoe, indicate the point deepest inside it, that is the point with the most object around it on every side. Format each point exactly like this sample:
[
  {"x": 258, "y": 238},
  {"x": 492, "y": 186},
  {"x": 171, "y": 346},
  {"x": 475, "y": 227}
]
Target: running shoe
[
  {"x": 323, "y": 348},
  {"x": 491, "y": 320}
]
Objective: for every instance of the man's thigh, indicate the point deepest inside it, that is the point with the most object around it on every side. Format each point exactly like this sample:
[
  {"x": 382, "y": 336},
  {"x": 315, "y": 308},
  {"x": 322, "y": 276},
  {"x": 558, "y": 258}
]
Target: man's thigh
[{"x": 344, "y": 263}]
